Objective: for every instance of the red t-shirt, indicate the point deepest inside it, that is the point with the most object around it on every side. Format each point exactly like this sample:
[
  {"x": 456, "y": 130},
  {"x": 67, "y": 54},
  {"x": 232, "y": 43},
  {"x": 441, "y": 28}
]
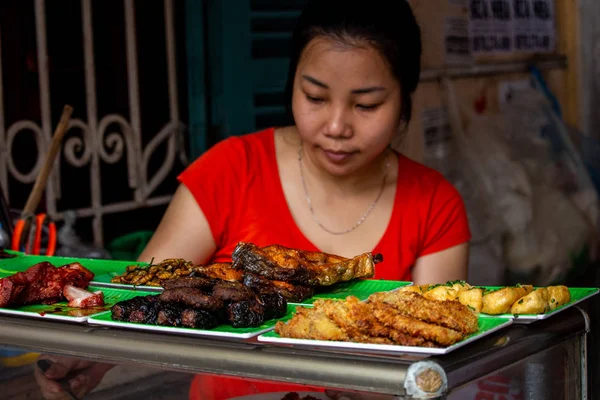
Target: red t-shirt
[{"x": 236, "y": 184}]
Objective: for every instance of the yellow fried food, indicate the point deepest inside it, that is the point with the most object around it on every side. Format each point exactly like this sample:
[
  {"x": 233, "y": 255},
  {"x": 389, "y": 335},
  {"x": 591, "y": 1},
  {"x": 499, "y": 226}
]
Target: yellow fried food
[
  {"x": 558, "y": 296},
  {"x": 459, "y": 286},
  {"x": 536, "y": 302},
  {"x": 500, "y": 301},
  {"x": 441, "y": 293},
  {"x": 472, "y": 298},
  {"x": 420, "y": 289}
]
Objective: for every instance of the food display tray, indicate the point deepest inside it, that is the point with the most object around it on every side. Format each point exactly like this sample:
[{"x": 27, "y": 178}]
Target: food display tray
[
  {"x": 361, "y": 288},
  {"x": 104, "y": 270},
  {"x": 221, "y": 331},
  {"x": 60, "y": 310},
  {"x": 578, "y": 294},
  {"x": 487, "y": 326}
]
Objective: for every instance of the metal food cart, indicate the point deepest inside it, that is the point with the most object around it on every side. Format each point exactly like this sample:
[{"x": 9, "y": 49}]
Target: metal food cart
[{"x": 542, "y": 360}]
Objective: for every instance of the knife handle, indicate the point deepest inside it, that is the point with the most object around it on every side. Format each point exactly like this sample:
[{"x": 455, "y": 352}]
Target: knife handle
[{"x": 44, "y": 365}]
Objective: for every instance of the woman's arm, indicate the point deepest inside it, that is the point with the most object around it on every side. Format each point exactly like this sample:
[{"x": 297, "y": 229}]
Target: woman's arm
[
  {"x": 183, "y": 232},
  {"x": 446, "y": 265}
]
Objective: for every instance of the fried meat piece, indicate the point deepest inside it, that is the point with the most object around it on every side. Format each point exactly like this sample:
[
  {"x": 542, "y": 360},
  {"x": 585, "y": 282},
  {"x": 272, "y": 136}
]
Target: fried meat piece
[
  {"x": 279, "y": 263},
  {"x": 224, "y": 271},
  {"x": 292, "y": 293},
  {"x": 274, "y": 304},
  {"x": 232, "y": 291},
  {"x": 169, "y": 314},
  {"x": 204, "y": 284},
  {"x": 137, "y": 309},
  {"x": 450, "y": 314},
  {"x": 245, "y": 313},
  {"x": 390, "y": 316},
  {"x": 193, "y": 298},
  {"x": 199, "y": 319}
]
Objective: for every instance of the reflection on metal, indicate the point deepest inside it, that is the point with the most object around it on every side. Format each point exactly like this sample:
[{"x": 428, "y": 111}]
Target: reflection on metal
[
  {"x": 425, "y": 380},
  {"x": 102, "y": 140}
]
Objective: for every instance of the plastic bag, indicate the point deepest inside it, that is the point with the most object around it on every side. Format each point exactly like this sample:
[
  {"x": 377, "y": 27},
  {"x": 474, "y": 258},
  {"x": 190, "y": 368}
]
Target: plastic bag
[{"x": 531, "y": 181}]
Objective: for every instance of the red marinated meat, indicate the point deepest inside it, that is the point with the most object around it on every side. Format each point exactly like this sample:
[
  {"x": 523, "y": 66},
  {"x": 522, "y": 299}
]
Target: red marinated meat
[
  {"x": 42, "y": 283},
  {"x": 82, "y": 298}
]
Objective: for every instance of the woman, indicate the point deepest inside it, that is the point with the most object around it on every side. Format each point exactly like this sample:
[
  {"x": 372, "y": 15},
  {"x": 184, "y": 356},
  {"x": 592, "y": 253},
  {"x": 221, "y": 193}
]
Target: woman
[{"x": 329, "y": 183}]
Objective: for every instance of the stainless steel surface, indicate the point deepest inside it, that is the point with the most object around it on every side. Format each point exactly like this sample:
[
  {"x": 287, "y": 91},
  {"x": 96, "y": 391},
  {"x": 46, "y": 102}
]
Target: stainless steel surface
[
  {"x": 557, "y": 340},
  {"x": 510, "y": 346},
  {"x": 425, "y": 380},
  {"x": 181, "y": 353}
]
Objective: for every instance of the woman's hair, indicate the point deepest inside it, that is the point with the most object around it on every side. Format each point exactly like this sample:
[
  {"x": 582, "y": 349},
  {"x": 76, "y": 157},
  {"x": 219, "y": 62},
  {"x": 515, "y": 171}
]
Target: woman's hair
[{"x": 388, "y": 25}]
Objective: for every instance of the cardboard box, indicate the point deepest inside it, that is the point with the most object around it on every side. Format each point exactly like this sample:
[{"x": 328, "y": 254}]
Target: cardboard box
[
  {"x": 511, "y": 30},
  {"x": 466, "y": 32},
  {"x": 430, "y": 127},
  {"x": 444, "y": 32}
]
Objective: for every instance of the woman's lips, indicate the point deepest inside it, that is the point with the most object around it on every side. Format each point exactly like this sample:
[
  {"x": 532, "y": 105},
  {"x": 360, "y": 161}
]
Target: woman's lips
[{"x": 337, "y": 156}]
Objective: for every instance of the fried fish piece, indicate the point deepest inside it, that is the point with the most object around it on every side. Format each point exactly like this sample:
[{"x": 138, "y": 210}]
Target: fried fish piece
[
  {"x": 281, "y": 263},
  {"x": 223, "y": 271},
  {"x": 448, "y": 313}
]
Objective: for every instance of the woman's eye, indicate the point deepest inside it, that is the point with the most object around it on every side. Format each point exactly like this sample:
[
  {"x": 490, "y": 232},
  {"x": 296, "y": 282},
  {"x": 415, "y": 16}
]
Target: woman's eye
[
  {"x": 314, "y": 99},
  {"x": 367, "y": 107}
]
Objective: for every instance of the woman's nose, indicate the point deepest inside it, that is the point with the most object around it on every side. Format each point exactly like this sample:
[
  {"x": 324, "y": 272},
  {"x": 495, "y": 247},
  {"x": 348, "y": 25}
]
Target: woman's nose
[{"x": 338, "y": 124}]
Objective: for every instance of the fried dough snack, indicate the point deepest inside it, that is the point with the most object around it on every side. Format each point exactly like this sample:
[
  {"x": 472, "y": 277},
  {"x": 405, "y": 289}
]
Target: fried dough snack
[
  {"x": 536, "y": 302},
  {"x": 500, "y": 301},
  {"x": 518, "y": 299}
]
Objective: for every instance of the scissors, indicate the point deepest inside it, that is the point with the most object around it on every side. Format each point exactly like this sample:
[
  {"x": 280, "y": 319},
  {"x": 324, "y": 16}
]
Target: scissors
[
  {"x": 31, "y": 231},
  {"x": 30, "y": 228}
]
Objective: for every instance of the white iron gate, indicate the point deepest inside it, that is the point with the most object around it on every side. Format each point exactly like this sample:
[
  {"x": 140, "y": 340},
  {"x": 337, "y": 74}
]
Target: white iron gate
[{"x": 97, "y": 144}]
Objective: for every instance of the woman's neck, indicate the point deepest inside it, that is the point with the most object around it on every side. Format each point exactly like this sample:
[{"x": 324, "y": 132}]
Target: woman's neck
[{"x": 364, "y": 180}]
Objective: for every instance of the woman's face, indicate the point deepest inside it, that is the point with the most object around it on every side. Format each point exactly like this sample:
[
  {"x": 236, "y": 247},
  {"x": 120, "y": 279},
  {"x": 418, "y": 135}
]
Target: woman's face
[{"x": 346, "y": 105}]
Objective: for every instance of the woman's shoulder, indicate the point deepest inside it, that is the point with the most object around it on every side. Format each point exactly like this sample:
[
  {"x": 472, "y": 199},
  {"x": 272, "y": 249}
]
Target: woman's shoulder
[
  {"x": 246, "y": 142},
  {"x": 423, "y": 182},
  {"x": 414, "y": 172},
  {"x": 232, "y": 157}
]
